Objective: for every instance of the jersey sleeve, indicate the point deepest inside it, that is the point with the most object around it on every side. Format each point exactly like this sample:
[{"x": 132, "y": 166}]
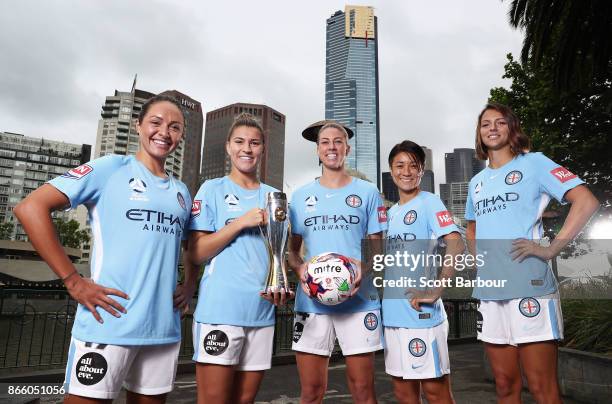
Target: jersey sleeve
[
  {"x": 469, "y": 205},
  {"x": 188, "y": 202},
  {"x": 296, "y": 223},
  {"x": 377, "y": 213},
  {"x": 439, "y": 219},
  {"x": 84, "y": 184},
  {"x": 554, "y": 179},
  {"x": 203, "y": 208}
]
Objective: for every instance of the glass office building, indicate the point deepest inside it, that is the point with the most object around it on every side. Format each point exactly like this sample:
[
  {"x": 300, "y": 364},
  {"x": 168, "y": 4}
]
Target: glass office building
[{"x": 351, "y": 84}]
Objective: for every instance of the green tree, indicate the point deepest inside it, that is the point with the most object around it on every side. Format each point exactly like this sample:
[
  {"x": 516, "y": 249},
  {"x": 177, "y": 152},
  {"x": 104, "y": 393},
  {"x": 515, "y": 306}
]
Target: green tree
[
  {"x": 69, "y": 233},
  {"x": 573, "y": 38},
  {"x": 6, "y": 230},
  {"x": 573, "y": 129}
]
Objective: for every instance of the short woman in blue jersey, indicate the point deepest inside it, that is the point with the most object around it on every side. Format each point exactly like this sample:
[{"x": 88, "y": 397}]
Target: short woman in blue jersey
[
  {"x": 416, "y": 330},
  {"x": 134, "y": 255},
  {"x": 233, "y": 323},
  {"x": 521, "y": 322}
]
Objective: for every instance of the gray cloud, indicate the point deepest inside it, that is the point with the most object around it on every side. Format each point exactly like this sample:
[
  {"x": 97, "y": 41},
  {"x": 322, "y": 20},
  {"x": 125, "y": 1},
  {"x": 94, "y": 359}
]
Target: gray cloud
[{"x": 437, "y": 62}]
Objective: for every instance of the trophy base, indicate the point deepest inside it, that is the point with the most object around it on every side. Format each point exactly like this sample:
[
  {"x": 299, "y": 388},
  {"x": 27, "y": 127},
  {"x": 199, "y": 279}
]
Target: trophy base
[{"x": 275, "y": 289}]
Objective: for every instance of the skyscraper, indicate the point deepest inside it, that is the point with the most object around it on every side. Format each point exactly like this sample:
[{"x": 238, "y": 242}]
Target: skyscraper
[
  {"x": 461, "y": 165},
  {"x": 216, "y": 163},
  {"x": 427, "y": 181},
  {"x": 351, "y": 84},
  {"x": 26, "y": 163},
  {"x": 388, "y": 187},
  {"x": 117, "y": 132},
  {"x": 192, "y": 150}
]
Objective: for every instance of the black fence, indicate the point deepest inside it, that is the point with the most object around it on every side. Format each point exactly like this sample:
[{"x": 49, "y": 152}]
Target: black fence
[{"x": 35, "y": 328}]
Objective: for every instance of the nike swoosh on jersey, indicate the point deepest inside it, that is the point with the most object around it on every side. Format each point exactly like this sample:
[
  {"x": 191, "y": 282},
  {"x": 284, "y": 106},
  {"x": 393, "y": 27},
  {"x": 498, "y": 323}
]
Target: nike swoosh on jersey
[
  {"x": 417, "y": 366},
  {"x": 329, "y": 195}
]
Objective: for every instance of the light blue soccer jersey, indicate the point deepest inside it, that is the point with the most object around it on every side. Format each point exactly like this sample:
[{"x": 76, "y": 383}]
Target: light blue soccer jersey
[
  {"x": 137, "y": 221},
  {"x": 414, "y": 227},
  {"x": 336, "y": 220},
  {"x": 232, "y": 280},
  {"x": 507, "y": 204}
]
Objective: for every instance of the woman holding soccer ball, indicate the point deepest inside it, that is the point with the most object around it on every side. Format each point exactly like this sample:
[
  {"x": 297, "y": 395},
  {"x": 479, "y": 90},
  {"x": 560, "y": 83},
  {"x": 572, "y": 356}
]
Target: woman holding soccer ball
[
  {"x": 233, "y": 323},
  {"x": 416, "y": 329},
  {"x": 522, "y": 322},
  {"x": 333, "y": 214}
]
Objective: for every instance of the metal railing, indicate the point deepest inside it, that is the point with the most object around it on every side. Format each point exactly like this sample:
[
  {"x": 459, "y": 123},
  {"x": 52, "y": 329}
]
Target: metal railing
[{"x": 35, "y": 328}]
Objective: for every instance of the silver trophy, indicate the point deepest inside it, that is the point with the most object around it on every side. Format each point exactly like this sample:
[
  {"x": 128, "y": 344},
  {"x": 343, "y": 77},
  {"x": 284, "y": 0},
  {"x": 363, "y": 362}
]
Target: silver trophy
[{"x": 275, "y": 233}]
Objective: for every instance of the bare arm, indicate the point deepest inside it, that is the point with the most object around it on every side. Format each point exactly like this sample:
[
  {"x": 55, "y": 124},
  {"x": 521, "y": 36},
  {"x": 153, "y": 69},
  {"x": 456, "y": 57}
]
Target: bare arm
[
  {"x": 34, "y": 213},
  {"x": 184, "y": 292},
  {"x": 470, "y": 237},
  {"x": 376, "y": 248},
  {"x": 454, "y": 247},
  {"x": 584, "y": 205},
  {"x": 296, "y": 261},
  {"x": 205, "y": 245}
]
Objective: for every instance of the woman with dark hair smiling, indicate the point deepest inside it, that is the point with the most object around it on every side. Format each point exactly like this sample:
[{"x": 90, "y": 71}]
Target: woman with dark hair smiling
[
  {"x": 415, "y": 326},
  {"x": 138, "y": 215},
  {"x": 522, "y": 322}
]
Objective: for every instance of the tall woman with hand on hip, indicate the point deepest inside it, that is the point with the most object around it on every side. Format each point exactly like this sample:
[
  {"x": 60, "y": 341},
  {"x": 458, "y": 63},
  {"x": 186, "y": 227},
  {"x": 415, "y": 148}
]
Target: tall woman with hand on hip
[
  {"x": 334, "y": 213},
  {"x": 521, "y": 322}
]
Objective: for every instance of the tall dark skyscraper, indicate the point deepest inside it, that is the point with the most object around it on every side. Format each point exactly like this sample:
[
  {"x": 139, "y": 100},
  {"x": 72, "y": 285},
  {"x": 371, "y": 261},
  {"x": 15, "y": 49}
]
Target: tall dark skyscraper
[
  {"x": 388, "y": 187},
  {"x": 427, "y": 182},
  {"x": 117, "y": 132},
  {"x": 351, "y": 84},
  {"x": 192, "y": 149},
  {"x": 461, "y": 165},
  {"x": 216, "y": 163}
]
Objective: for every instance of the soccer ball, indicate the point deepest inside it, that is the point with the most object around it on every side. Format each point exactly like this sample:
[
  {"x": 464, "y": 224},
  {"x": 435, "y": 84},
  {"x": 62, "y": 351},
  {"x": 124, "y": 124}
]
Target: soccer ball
[{"x": 330, "y": 278}]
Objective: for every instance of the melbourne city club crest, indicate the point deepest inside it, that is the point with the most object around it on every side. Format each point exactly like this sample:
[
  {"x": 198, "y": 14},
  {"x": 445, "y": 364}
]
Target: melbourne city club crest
[
  {"x": 410, "y": 217},
  {"x": 370, "y": 321},
  {"x": 417, "y": 347},
  {"x": 529, "y": 307},
  {"x": 353, "y": 201},
  {"x": 513, "y": 177}
]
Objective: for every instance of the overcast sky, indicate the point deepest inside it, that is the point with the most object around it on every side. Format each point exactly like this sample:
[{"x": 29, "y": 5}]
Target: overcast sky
[{"x": 437, "y": 62}]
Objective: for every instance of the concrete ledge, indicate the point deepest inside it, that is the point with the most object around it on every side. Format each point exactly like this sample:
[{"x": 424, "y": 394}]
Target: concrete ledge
[{"x": 583, "y": 376}]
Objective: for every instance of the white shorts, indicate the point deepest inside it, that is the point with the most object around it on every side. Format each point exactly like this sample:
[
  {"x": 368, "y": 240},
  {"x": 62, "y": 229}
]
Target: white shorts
[
  {"x": 250, "y": 348},
  {"x": 518, "y": 321},
  {"x": 417, "y": 353},
  {"x": 357, "y": 332},
  {"x": 99, "y": 370}
]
